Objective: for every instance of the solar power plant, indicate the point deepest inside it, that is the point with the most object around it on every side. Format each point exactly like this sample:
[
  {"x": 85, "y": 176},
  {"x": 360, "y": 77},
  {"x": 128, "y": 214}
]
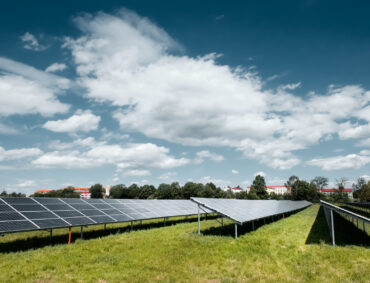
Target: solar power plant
[
  {"x": 27, "y": 214},
  {"x": 241, "y": 211},
  {"x": 330, "y": 208}
]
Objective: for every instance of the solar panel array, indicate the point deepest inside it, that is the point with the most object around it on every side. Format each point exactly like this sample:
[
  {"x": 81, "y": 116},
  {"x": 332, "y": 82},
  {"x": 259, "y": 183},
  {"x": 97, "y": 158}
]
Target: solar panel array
[
  {"x": 247, "y": 210},
  {"x": 25, "y": 214}
]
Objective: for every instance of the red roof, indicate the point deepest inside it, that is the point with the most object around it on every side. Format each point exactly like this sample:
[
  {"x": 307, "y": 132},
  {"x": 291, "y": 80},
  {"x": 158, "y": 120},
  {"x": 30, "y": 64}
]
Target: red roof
[{"x": 239, "y": 189}]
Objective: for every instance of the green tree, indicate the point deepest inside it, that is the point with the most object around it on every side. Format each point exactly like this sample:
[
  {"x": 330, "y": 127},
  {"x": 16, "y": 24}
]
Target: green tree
[
  {"x": 146, "y": 191},
  {"x": 68, "y": 192},
  {"x": 320, "y": 182},
  {"x": 97, "y": 191},
  {"x": 302, "y": 190},
  {"x": 191, "y": 189},
  {"x": 117, "y": 191},
  {"x": 259, "y": 187},
  {"x": 132, "y": 191},
  {"x": 163, "y": 191}
]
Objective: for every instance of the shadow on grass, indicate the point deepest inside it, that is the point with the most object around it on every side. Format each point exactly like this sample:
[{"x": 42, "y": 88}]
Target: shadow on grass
[
  {"x": 40, "y": 241},
  {"x": 229, "y": 229},
  {"x": 345, "y": 232}
]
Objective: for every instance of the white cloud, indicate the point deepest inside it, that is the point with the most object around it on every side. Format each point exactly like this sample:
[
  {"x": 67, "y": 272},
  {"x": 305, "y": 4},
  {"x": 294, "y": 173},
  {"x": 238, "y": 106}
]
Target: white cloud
[
  {"x": 205, "y": 154},
  {"x": 167, "y": 176},
  {"x": 218, "y": 182},
  {"x": 26, "y": 90},
  {"x": 127, "y": 61},
  {"x": 350, "y": 161},
  {"x": 88, "y": 142},
  {"x": 26, "y": 184},
  {"x": 236, "y": 172},
  {"x": 31, "y": 42},
  {"x": 139, "y": 157},
  {"x": 82, "y": 121},
  {"x": 19, "y": 153},
  {"x": 22, "y": 96},
  {"x": 55, "y": 67},
  {"x": 136, "y": 172}
]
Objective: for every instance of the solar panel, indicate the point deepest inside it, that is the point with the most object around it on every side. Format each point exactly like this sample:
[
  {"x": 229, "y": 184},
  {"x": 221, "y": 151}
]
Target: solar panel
[
  {"x": 22, "y": 214},
  {"x": 242, "y": 211}
]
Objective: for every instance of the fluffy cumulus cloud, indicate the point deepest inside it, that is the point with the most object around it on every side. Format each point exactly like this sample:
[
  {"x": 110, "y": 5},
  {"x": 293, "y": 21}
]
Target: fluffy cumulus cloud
[
  {"x": 341, "y": 162},
  {"x": 205, "y": 154},
  {"x": 133, "y": 64},
  {"x": 55, "y": 67},
  {"x": 19, "y": 153},
  {"x": 131, "y": 160},
  {"x": 31, "y": 42},
  {"x": 26, "y": 90},
  {"x": 82, "y": 121}
]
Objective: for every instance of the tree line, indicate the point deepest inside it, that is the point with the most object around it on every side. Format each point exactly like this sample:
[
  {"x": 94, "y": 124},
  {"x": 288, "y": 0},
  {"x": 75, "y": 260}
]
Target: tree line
[{"x": 298, "y": 190}]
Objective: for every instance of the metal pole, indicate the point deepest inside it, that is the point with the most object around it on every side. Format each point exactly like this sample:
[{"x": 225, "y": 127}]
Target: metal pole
[
  {"x": 236, "y": 230},
  {"x": 332, "y": 227},
  {"x": 132, "y": 225},
  {"x": 198, "y": 219},
  {"x": 164, "y": 221},
  {"x": 82, "y": 232}
]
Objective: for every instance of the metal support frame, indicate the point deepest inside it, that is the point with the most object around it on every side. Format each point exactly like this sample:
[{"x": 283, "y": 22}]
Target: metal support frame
[
  {"x": 236, "y": 230},
  {"x": 332, "y": 227},
  {"x": 198, "y": 219},
  {"x": 164, "y": 221},
  {"x": 132, "y": 225}
]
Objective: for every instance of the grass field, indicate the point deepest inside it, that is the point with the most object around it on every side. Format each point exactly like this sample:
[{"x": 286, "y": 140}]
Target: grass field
[{"x": 292, "y": 249}]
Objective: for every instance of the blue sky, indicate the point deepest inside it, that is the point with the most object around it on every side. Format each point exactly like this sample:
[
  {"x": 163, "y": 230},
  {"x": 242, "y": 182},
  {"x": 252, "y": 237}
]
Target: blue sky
[{"x": 157, "y": 91}]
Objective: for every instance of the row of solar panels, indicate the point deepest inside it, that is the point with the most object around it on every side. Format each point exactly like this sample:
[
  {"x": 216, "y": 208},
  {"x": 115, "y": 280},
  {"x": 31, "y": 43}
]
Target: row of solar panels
[
  {"x": 247, "y": 210},
  {"x": 360, "y": 204},
  {"x": 26, "y": 214}
]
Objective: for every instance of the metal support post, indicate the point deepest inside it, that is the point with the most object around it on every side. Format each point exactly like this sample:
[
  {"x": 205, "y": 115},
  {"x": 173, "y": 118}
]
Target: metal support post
[
  {"x": 198, "y": 219},
  {"x": 332, "y": 227},
  {"x": 236, "y": 230},
  {"x": 82, "y": 232},
  {"x": 164, "y": 221},
  {"x": 132, "y": 225}
]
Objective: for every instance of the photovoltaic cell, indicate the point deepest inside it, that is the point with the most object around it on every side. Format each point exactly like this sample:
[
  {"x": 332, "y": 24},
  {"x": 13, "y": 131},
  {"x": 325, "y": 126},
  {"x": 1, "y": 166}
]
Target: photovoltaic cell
[
  {"x": 49, "y": 213},
  {"x": 247, "y": 210},
  {"x": 14, "y": 226},
  {"x": 50, "y": 223}
]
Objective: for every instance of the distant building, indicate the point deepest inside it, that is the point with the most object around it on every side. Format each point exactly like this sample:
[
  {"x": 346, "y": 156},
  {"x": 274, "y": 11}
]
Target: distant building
[
  {"x": 234, "y": 190},
  {"x": 278, "y": 189}
]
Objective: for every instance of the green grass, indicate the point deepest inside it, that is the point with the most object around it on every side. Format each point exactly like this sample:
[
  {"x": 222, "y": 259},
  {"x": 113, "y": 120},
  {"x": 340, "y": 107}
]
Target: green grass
[{"x": 292, "y": 249}]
